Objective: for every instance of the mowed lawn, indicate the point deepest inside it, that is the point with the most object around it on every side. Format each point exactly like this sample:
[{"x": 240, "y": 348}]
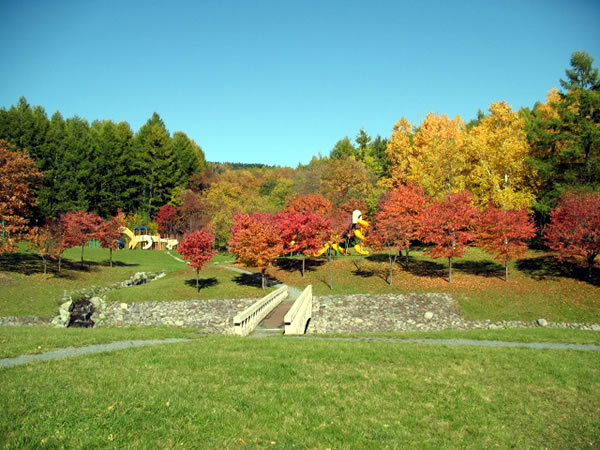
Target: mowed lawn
[
  {"x": 538, "y": 285},
  {"x": 219, "y": 392},
  {"x": 25, "y": 290}
]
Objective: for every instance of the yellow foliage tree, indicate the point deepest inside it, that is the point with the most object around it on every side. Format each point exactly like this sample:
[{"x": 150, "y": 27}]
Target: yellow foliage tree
[
  {"x": 498, "y": 149},
  {"x": 441, "y": 162},
  {"x": 400, "y": 152}
]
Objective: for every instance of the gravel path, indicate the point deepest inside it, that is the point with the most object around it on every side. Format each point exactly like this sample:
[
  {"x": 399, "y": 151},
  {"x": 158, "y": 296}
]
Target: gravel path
[{"x": 79, "y": 351}]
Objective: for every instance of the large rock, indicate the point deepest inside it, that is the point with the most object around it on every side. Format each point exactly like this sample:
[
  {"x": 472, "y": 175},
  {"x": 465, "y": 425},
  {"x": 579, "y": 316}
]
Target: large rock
[{"x": 542, "y": 322}]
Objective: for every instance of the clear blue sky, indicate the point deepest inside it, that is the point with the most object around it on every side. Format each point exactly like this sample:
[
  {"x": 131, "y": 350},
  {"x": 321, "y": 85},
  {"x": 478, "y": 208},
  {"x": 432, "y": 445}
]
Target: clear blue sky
[{"x": 280, "y": 81}]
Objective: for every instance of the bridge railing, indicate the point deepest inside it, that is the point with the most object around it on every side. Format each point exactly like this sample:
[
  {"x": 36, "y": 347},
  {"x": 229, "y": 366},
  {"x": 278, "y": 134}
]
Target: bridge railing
[
  {"x": 300, "y": 313},
  {"x": 245, "y": 322}
]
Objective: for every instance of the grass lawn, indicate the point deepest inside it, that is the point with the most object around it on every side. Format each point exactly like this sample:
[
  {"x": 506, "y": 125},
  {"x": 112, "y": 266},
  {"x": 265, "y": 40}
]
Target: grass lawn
[
  {"x": 25, "y": 290},
  {"x": 219, "y": 392},
  {"x": 538, "y": 286}
]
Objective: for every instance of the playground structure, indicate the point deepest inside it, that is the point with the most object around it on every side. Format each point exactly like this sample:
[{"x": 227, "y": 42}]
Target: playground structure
[
  {"x": 355, "y": 229},
  {"x": 139, "y": 236}
]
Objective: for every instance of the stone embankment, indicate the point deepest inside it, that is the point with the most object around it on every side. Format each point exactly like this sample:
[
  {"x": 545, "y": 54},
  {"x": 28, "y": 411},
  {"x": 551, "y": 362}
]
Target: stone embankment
[
  {"x": 405, "y": 312},
  {"x": 331, "y": 314}
]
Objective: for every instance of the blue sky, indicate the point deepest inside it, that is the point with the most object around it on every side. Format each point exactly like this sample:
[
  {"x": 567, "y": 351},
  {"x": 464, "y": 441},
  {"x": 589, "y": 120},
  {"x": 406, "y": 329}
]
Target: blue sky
[{"x": 277, "y": 82}]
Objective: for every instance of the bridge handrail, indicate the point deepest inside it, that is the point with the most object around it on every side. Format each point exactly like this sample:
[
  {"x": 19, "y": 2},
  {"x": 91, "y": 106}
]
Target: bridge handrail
[
  {"x": 245, "y": 322},
  {"x": 300, "y": 312}
]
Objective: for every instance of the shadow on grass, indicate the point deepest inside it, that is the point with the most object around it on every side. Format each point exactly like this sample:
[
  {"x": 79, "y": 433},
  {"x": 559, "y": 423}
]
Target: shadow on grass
[
  {"x": 254, "y": 280},
  {"x": 549, "y": 268},
  {"x": 425, "y": 268},
  {"x": 295, "y": 264},
  {"x": 489, "y": 269},
  {"x": 29, "y": 264},
  {"x": 202, "y": 282}
]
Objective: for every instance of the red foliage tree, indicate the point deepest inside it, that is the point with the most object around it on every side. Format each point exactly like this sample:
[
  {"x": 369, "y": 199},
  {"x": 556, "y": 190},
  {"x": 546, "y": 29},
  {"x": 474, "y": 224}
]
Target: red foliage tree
[
  {"x": 314, "y": 203},
  {"x": 167, "y": 220},
  {"x": 109, "y": 232},
  {"x": 79, "y": 228},
  {"x": 574, "y": 228},
  {"x": 17, "y": 175},
  {"x": 256, "y": 240},
  {"x": 197, "y": 247},
  {"x": 449, "y": 224},
  {"x": 504, "y": 232},
  {"x": 397, "y": 222},
  {"x": 302, "y": 232}
]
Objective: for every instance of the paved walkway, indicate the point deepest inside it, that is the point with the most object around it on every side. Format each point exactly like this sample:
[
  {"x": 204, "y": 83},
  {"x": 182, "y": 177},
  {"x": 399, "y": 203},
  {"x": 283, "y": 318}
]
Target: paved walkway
[
  {"x": 79, "y": 351},
  {"x": 120, "y": 345}
]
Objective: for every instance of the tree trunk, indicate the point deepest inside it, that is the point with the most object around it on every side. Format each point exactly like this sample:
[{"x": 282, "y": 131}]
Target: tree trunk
[
  {"x": 590, "y": 266},
  {"x": 110, "y": 256},
  {"x": 82, "y": 246},
  {"x": 59, "y": 261},
  {"x": 330, "y": 272},
  {"x": 263, "y": 273},
  {"x": 197, "y": 280},
  {"x": 303, "y": 260},
  {"x": 391, "y": 277},
  {"x": 450, "y": 270},
  {"x": 407, "y": 250},
  {"x": 506, "y": 270}
]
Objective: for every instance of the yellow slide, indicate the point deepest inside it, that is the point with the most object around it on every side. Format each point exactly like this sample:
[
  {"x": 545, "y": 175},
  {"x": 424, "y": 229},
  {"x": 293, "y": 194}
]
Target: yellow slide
[
  {"x": 323, "y": 250},
  {"x": 358, "y": 233},
  {"x": 133, "y": 240}
]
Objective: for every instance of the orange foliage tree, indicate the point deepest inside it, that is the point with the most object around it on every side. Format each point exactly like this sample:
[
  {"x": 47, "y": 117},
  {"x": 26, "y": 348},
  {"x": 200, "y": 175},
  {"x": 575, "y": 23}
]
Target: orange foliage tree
[
  {"x": 574, "y": 228},
  {"x": 197, "y": 247},
  {"x": 17, "y": 174},
  {"x": 449, "y": 224},
  {"x": 504, "y": 233},
  {"x": 49, "y": 242},
  {"x": 397, "y": 222},
  {"x": 314, "y": 203},
  {"x": 256, "y": 241}
]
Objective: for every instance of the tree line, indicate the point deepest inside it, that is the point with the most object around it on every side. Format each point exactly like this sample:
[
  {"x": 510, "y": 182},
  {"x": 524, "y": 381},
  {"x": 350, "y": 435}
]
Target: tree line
[{"x": 514, "y": 160}]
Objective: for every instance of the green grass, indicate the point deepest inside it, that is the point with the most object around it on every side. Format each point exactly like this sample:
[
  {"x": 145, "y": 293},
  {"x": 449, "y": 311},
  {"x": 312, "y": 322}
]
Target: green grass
[
  {"x": 15, "y": 341},
  {"x": 220, "y": 392},
  {"x": 25, "y": 290},
  {"x": 538, "y": 286}
]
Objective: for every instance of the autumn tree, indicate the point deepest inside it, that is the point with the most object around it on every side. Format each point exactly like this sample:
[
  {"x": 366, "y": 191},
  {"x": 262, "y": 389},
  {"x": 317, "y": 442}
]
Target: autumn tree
[
  {"x": 302, "y": 232},
  {"x": 400, "y": 152},
  {"x": 397, "y": 222},
  {"x": 79, "y": 228},
  {"x": 48, "y": 241},
  {"x": 498, "y": 152},
  {"x": 197, "y": 247},
  {"x": 449, "y": 224},
  {"x": 504, "y": 233},
  {"x": 256, "y": 240},
  {"x": 18, "y": 174},
  {"x": 314, "y": 203},
  {"x": 167, "y": 219},
  {"x": 574, "y": 228},
  {"x": 109, "y": 232}
]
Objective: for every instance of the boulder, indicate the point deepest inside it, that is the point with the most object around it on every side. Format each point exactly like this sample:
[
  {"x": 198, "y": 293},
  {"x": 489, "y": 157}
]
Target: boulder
[{"x": 542, "y": 322}]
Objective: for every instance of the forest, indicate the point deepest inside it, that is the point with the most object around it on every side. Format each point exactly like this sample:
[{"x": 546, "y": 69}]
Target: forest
[{"x": 515, "y": 160}]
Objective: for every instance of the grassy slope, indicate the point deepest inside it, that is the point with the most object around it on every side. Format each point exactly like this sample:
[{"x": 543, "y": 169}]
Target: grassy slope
[
  {"x": 538, "y": 286},
  {"x": 24, "y": 290},
  {"x": 225, "y": 392}
]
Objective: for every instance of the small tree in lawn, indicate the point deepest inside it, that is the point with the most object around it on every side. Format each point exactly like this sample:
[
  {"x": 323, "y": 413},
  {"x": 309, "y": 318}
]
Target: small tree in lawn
[
  {"x": 197, "y": 247},
  {"x": 302, "y": 232},
  {"x": 109, "y": 233},
  {"x": 79, "y": 228},
  {"x": 449, "y": 224},
  {"x": 48, "y": 241},
  {"x": 574, "y": 228},
  {"x": 504, "y": 233},
  {"x": 397, "y": 222},
  {"x": 256, "y": 240}
]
